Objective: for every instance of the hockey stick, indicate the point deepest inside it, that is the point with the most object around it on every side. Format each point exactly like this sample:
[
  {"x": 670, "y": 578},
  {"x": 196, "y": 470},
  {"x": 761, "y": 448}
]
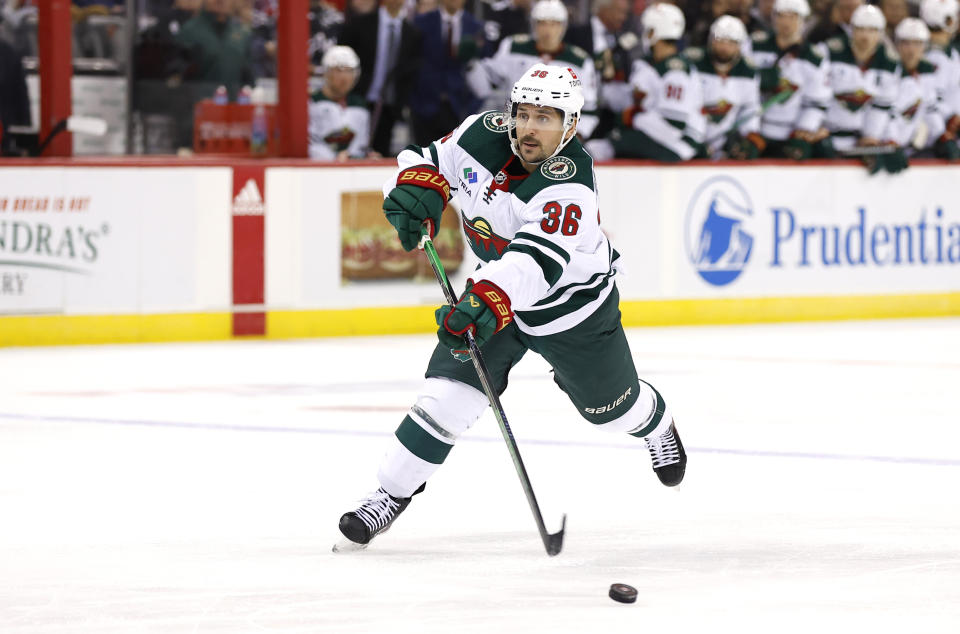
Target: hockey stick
[
  {"x": 869, "y": 150},
  {"x": 93, "y": 126},
  {"x": 552, "y": 542}
]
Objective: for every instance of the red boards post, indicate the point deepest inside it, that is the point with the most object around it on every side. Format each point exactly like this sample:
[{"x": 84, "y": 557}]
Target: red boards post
[{"x": 249, "y": 317}]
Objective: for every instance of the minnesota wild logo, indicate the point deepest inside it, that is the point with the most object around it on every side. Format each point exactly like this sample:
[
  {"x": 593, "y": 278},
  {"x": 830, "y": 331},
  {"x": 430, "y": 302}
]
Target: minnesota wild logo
[
  {"x": 911, "y": 112},
  {"x": 785, "y": 86},
  {"x": 484, "y": 242},
  {"x": 716, "y": 112},
  {"x": 558, "y": 168},
  {"x": 495, "y": 121},
  {"x": 339, "y": 139},
  {"x": 853, "y": 101}
]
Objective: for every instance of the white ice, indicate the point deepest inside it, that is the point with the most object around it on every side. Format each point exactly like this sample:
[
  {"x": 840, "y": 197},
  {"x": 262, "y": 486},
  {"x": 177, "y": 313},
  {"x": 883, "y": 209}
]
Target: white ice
[{"x": 197, "y": 488}]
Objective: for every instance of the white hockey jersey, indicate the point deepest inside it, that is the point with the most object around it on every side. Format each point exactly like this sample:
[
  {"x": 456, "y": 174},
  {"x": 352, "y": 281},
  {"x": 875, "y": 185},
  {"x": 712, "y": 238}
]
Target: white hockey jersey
[
  {"x": 947, "y": 64},
  {"x": 797, "y": 78},
  {"x": 492, "y": 78},
  {"x": 538, "y": 234},
  {"x": 668, "y": 104},
  {"x": 730, "y": 100},
  {"x": 334, "y": 127},
  {"x": 916, "y": 104},
  {"x": 861, "y": 97}
]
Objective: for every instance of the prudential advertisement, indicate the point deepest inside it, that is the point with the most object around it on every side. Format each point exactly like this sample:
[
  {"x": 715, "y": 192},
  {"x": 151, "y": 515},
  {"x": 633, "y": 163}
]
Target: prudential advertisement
[{"x": 771, "y": 231}]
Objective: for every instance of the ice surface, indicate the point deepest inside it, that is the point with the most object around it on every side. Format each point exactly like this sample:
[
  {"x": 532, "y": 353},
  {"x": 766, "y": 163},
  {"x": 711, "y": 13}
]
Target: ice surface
[{"x": 197, "y": 487}]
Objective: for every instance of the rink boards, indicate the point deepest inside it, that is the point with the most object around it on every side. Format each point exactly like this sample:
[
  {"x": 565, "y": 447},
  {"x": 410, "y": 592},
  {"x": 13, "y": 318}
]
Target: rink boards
[{"x": 153, "y": 251}]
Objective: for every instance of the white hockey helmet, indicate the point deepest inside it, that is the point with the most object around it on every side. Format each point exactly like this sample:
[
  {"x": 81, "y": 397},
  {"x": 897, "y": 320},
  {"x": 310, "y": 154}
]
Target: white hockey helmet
[
  {"x": 550, "y": 86},
  {"x": 728, "y": 27},
  {"x": 868, "y": 16},
  {"x": 912, "y": 29},
  {"x": 340, "y": 57},
  {"x": 940, "y": 14},
  {"x": 661, "y": 22},
  {"x": 800, "y": 7},
  {"x": 549, "y": 11}
]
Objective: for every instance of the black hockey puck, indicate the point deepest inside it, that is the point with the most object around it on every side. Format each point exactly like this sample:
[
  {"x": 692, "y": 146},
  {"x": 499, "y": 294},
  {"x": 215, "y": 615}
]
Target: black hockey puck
[{"x": 623, "y": 593}]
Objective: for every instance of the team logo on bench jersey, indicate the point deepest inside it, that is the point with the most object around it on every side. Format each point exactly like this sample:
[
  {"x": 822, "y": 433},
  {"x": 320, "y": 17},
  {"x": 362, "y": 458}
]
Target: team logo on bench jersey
[
  {"x": 495, "y": 122},
  {"x": 717, "y": 112},
  {"x": 853, "y": 101},
  {"x": 558, "y": 168}
]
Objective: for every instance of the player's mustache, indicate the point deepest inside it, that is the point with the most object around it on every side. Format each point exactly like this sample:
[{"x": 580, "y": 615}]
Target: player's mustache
[{"x": 529, "y": 139}]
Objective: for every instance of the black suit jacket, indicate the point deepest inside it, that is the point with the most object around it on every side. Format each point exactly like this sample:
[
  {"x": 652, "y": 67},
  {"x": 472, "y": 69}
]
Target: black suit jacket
[
  {"x": 616, "y": 66},
  {"x": 582, "y": 36},
  {"x": 360, "y": 34}
]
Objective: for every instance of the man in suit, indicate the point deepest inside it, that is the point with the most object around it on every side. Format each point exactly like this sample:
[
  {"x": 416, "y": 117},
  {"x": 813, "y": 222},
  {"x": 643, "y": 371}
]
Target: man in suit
[
  {"x": 14, "y": 103},
  {"x": 389, "y": 50},
  {"x": 613, "y": 47},
  {"x": 503, "y": 18},
  {"x": 441, "y": 98}
]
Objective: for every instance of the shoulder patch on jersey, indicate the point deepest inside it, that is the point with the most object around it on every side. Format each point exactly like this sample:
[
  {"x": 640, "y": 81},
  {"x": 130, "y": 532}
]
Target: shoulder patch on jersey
[
  {"x": 835, "y": 44},
  {"x": 558, "y": 168},
  {"x": 496, "y": 121},
  {"x": 760, "y": 36},
  {"x": 811, "y": 55},
  {"x": 523, "y": 44},
  {"x": 694, "y": 54},
  {"x": 628, "y": 41},
  {"x": 676, "y": 64},
  {"x": 578, "y": 51}
]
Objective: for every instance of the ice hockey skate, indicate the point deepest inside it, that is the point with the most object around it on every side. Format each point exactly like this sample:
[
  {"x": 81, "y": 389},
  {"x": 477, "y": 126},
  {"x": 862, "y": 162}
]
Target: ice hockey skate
[
  {"x": 375, "y": 515},
  {"x": 669, "y": 458}
]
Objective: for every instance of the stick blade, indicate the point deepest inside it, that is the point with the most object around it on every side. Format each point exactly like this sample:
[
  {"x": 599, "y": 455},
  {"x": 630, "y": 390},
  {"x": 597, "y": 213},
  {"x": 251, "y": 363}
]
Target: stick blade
[
  {"x": 94, "y": 126},
  {"x": 554, "y": 542}
]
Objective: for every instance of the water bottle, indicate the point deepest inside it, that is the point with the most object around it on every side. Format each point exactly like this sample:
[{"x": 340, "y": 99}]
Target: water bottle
[
  {"x": 220, "y": 96},
  {"x": 259, "y": 126},
  {"x": 243, "y": 97}
]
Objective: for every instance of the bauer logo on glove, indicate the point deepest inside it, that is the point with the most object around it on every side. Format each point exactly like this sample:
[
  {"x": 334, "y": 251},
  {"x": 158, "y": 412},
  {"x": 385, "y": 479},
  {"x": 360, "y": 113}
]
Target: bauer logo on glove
[
  {"x": 483, "y": 310},
  {"x": 421, "y": 194}
]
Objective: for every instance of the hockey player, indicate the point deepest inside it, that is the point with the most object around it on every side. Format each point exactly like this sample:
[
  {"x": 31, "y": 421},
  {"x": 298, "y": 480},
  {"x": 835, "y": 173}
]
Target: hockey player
[
  {"x": 793, "y": 80},
  {"x": 529, "y": 208},
  {"x": 917, "y": 123},
  {"x": 665, "y": 123},
  {"x": 863, "y": 79},
  {"x": 941, "y": 16},
  {"x": 339, "y": 125},
  {"x": 491, "y": 78},
  {"x": 731, "y": 92}
]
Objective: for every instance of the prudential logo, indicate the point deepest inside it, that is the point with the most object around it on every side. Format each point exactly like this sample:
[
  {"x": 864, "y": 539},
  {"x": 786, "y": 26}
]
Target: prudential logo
[{"x": 717, "y": 230}]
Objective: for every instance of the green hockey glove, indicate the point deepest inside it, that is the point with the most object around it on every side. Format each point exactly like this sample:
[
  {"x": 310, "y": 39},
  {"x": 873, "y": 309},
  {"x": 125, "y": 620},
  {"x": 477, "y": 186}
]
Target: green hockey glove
[
  {"x": 797, "y": 149},
  {"x": 946, "y": 148},
  {"x": 895, "y": 161},
  {"x": 421, "y": 194},
  {"x": 484, "y": 309},
  {"x": 747, "y": 148},
  {"x": 873, "y": 162}
]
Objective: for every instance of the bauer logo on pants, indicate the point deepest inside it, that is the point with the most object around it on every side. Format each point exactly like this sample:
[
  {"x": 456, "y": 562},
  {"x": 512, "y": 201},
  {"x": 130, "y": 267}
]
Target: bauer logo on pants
[{"x": 717, "y": 239}]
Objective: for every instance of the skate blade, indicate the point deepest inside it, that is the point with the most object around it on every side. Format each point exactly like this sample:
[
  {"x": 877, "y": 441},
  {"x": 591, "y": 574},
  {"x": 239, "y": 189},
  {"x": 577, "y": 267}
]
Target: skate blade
[{"x": 347, "y": 546}]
